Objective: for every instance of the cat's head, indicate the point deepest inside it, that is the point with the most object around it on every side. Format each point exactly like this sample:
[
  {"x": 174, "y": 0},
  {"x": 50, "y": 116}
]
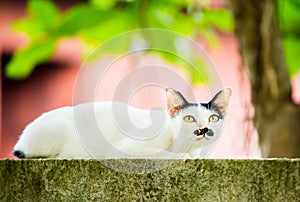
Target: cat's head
[{"x": 199, "y": 123}]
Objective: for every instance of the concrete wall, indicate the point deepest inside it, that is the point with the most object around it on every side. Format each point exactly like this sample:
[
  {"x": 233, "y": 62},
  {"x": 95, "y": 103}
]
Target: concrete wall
[{"x": 128, "y": 180}]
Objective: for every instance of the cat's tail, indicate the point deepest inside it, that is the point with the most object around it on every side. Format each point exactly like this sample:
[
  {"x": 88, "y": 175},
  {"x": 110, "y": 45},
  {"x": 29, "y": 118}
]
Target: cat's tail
[{"x": 44, "y": 137}]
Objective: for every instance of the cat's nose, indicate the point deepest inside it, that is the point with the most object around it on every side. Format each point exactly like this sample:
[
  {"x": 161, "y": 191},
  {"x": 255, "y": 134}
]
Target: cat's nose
[{"x": 201, "y": 131}]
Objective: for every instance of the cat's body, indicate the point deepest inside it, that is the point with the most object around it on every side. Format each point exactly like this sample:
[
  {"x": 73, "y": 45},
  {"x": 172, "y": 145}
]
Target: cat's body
[{"x": 115, "y": 130}]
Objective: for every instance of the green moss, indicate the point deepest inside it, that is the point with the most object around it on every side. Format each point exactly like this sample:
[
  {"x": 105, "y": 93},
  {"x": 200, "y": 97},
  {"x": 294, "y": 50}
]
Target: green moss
[{"x": 135, "y": 180}]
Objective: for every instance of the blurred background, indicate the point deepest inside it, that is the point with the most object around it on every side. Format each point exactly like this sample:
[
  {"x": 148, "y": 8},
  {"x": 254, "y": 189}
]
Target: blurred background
[{"x": 44, "y": 43}]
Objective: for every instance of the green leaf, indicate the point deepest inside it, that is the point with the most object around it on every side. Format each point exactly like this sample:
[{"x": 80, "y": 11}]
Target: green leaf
[
  {"x": 289, "y": 15},
  {"x": 115, "y": 45},
  {"x": 175, "y": 48},
  {"x": 43, "y": 17},
  {"x": 167, "y": 15},
  {"x": 45, "y": 12},
  {"x": 81, "y": 17},
  {"x": 103, "y": 4},
  {"x": 31, "y": 28},
  {"x": 24, "y": 60},
  {"x": 168, "y": 56},
  {"x": 108, "y": 28},
  {"x": 221, "y": 19},
  {"x": 291, "y": 47}
]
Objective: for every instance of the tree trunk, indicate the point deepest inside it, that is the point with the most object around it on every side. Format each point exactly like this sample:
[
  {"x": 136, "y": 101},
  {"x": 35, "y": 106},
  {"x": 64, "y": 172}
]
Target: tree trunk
[{"x": 277, "y": 118}]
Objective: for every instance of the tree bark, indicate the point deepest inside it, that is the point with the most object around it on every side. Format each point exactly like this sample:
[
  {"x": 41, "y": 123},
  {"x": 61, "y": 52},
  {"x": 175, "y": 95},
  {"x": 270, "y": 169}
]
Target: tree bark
[{"x": 277, "y": 118}]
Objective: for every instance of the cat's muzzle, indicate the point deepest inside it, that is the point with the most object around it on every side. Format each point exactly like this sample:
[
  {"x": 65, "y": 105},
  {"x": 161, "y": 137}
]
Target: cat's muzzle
[{"x": 204, "y": 131}]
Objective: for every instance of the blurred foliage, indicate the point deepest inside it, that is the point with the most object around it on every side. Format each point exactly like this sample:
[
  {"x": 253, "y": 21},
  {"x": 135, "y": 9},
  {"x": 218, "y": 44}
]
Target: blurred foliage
[
  {"x": 98, "y": 20},
  {"x": 288, "y": 15}
]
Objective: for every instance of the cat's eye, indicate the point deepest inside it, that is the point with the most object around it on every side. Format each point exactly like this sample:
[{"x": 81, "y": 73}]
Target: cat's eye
[
  {"x": 189, "y": 119},
  {"x": 213, "y": 118}
]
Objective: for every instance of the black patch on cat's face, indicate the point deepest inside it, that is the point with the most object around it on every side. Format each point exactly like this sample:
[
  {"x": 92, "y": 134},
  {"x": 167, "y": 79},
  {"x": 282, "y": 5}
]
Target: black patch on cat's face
[
  {"x": 204, "y": 131},
  {"x": 209, "y": 106}
]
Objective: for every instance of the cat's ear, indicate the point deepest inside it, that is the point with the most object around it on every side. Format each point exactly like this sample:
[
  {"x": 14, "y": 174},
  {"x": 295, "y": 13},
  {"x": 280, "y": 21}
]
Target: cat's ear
[
  {"x": 221, "y": 100},
  {"x": 175, "y": 101}
]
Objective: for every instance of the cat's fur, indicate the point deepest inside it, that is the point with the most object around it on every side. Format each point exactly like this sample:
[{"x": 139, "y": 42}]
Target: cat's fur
[{"x": 115, "y": 130}]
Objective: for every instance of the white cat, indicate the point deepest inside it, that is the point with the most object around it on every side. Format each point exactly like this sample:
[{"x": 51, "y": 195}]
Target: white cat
[{"x": 115, "y": 130}]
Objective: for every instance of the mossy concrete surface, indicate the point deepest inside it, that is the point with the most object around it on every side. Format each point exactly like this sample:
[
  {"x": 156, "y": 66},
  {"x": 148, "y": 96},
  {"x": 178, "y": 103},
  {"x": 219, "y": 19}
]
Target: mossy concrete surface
[{"x": 177, "y": 180}]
